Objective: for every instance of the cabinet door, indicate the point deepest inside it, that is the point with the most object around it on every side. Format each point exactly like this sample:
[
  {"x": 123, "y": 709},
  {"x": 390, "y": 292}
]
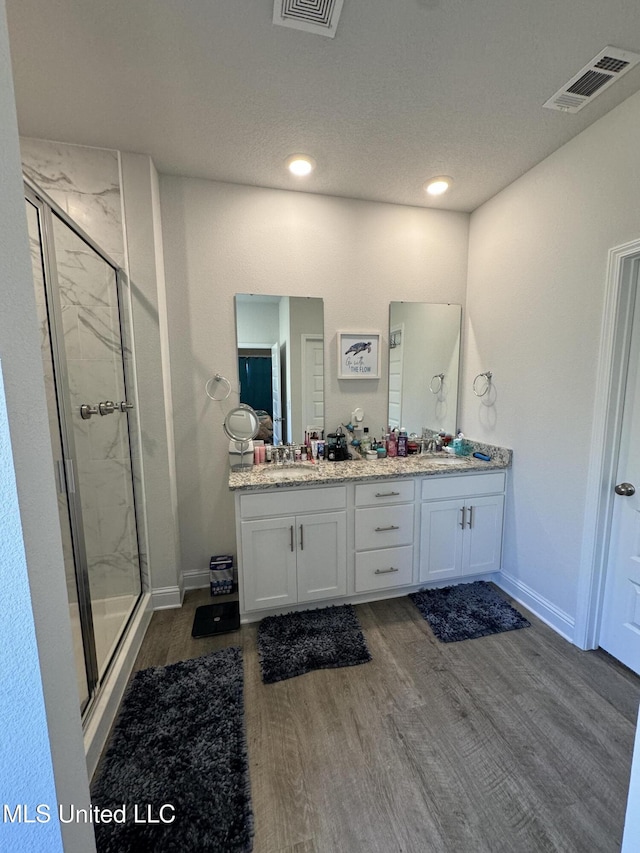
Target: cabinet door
[
  {"x": 483, "y": 535},
  {"x": 322, "y": 555},
  {"x": 441, "y": 540},
  {"x": 268, "y": 562}
]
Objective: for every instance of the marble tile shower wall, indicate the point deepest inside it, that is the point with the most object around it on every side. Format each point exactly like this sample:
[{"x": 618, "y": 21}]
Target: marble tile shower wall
[{"x": 85, "y": 183}]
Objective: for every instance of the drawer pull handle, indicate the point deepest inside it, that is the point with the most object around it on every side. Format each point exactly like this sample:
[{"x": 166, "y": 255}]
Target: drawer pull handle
[
  {"x": 386, "y": 571},
  {"x": 387, "y": 494},
  {"x": 390, "y": 527}
]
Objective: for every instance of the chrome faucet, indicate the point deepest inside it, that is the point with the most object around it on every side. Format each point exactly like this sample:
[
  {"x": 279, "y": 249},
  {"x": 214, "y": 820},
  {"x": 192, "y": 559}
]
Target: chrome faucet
[{"x": 432, "y": 445}]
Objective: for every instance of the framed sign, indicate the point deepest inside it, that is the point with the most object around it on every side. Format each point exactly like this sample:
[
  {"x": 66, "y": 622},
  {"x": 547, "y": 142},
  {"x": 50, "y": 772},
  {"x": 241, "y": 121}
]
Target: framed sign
[{"x": 358, "y": 355}]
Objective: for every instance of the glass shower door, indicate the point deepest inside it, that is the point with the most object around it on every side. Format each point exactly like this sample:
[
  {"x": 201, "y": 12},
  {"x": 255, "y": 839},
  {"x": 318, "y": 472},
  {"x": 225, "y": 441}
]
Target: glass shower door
[
  {"x": 98, "y": 413},
  {"x": 69, "y": 548}
]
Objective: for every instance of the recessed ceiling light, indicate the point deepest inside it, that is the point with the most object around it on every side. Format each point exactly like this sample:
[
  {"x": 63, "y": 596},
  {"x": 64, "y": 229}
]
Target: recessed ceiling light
[
  {"x": 300, "y": 165},
  {"x": 439, "y": 185}
]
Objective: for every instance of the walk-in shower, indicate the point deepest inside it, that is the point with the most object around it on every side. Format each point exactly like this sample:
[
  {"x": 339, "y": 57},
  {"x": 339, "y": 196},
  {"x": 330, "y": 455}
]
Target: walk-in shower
[{"x": 86, "y": 340}]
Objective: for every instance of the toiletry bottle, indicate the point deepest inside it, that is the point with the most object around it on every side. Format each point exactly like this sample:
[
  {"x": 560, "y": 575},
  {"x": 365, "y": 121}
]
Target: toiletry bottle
[
  {"x": 392, "y": 447},
  {"x": 402, "y": 442},
  {"x": 365, "y": 444}
]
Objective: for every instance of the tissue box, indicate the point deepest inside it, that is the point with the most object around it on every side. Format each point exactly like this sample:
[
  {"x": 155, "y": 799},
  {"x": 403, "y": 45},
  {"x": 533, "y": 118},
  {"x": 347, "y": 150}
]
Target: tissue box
[{"x": 221, "y": 574}]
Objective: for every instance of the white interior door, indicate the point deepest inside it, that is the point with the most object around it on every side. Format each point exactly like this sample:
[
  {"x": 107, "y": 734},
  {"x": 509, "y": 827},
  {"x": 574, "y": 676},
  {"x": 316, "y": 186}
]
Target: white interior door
[
  {"x": 275, "y": 393},
  {"x": 620, "y": 626},
  {"x": 313, "y": 384},
  {"x": 395, "y": 378}
]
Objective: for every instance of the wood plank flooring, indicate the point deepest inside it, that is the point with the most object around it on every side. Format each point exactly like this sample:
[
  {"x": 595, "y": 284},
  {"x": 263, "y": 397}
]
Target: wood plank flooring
[{"x": 515, "y": 743}]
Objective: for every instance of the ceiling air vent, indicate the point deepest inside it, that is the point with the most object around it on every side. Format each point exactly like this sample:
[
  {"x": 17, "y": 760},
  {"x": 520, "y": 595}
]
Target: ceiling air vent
[
  {"x": 313, "y": 16},
  {"x": 603, "y": 70}
]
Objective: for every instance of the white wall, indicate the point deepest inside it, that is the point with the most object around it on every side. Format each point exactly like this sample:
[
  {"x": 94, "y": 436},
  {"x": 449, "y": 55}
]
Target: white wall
[
  {"x": 49, "y": 678},
  {"x": 537, "y": 266},
  {"x": 222, "y": 239},
  {"x": 257, "y": 322}
]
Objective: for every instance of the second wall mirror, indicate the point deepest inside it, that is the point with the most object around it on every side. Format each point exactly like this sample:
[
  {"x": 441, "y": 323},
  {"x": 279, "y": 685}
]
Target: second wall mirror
[
  {"x": 280, "y": 342},
  {"x": 424, "y": 364}
]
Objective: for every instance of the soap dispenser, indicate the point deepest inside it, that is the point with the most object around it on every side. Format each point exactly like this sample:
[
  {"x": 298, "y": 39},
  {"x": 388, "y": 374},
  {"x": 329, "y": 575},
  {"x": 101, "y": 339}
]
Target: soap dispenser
[{"x": 402, "y": 442}]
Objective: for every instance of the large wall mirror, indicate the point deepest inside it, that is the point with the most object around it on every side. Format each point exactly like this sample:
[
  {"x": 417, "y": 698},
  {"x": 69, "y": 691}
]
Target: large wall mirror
[
  {"x": 281, "y": 362},
  {"x": 424, "y": 363}
]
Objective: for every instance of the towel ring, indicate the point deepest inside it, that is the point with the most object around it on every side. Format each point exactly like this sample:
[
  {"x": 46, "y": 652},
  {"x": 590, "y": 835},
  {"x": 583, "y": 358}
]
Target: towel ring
[
  {"x": 487, "y": 375},
  {"x": 439, "y": 377},
  {"x": 221, "y": 380}
]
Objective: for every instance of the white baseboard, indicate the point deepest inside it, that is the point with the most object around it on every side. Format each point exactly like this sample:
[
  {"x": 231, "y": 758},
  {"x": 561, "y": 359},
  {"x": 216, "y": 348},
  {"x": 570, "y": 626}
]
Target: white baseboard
[
  {"x": 166, "y": 597},
  {"x": 544, "y": 609},
  {"x": 196, "y": 580},
  {"x": 105, "y": 710}
]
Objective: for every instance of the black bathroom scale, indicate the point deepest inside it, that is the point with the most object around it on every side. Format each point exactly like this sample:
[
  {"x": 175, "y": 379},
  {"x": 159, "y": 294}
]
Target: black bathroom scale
[{"x": 213, "y": 619}]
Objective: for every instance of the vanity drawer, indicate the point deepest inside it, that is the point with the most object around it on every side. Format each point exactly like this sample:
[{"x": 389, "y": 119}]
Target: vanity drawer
[
  {"x": 385, "y": 492},
  {"x": 384, "y": 569},
  {"x": 384, "y": 527},
  {"x": 466, "y": 486},
  {"x": 292, "y": 502}
]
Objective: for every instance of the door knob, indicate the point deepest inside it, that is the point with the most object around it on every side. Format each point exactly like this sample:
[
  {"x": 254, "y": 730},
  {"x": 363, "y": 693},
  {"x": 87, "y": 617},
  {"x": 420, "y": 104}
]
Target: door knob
[{"x": 625, "y": 489}]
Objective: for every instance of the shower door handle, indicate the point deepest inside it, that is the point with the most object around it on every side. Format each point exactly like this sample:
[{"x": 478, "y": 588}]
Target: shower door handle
[
  {"x": 70, "y": 477},
  {"x": 106, "y": 408},
  {"x": 86, "y": 411},
  {"x": 123, "y": 406}
]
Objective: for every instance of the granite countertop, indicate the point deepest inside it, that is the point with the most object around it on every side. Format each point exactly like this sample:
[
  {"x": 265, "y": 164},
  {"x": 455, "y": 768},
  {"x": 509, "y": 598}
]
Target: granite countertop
[{"x": 272, "y": 476}]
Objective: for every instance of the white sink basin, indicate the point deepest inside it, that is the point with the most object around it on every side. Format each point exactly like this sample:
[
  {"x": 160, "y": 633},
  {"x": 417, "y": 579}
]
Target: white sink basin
[
  {"x": 282, "y": 473},
  {"x": 449, "y": 459}
]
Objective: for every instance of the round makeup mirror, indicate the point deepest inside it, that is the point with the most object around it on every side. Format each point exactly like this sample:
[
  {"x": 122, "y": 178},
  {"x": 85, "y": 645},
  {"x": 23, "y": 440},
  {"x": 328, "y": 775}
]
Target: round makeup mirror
[{"x": 241, "y": 425}]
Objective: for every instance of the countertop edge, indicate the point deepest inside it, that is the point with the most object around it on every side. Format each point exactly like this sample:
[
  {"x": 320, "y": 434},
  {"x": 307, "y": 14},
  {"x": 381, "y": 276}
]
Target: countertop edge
[{"x": 337, "y": 473}]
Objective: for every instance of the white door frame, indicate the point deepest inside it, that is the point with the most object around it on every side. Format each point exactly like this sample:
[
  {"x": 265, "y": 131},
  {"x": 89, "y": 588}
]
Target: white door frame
[{"x": 623, "y": 272}]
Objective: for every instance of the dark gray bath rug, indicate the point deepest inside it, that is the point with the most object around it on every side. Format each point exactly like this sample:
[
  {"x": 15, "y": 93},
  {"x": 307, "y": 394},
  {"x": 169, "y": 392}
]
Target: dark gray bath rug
[
  {"x": 295, "y": 643},
  {"x": 179, "y": 743},
  {"x": 467, "y": 611}
]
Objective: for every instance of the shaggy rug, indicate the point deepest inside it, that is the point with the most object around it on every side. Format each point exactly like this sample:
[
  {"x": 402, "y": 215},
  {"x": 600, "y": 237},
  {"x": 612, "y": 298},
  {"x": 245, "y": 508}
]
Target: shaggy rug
[
  {"x": 466, "y": 611},
  {"x": 295, "y": 643},
  {"x": 178, "y": 754}
]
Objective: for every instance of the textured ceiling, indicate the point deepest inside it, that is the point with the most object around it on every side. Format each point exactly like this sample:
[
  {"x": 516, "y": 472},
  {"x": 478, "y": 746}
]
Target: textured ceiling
[{"x": 406, "y": 90}]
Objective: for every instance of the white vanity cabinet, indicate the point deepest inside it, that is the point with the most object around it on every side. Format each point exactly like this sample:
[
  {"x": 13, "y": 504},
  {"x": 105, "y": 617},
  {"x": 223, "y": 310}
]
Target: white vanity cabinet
[
  {"x": 461, "y": 525},
  {"x": 384, "y": 534},
  {"x": 293, "y": 547},
  {"x": 365, "y": 539}
]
